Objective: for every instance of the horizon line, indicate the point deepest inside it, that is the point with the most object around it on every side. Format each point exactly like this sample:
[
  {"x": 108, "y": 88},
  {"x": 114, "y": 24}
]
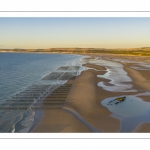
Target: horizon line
[{"x": 77, "y": 48}]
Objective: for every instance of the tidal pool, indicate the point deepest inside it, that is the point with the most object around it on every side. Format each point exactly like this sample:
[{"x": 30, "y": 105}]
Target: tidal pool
[
  {"x": 132, "y": 111},
  {"x": 119, "y": 79},
  {"x": 135, "y": 64}
]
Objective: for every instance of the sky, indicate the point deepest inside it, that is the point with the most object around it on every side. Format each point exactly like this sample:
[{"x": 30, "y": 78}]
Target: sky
[{"x": 56, "y": 32}]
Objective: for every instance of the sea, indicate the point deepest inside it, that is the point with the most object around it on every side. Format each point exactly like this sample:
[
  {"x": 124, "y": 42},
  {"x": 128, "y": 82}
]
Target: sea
[{"x": 18, "y": 72}]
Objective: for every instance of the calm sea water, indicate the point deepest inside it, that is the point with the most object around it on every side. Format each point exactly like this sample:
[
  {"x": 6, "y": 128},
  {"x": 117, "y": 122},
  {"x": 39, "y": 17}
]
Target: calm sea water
[
  {"x": 21, "y": 70},
  {"x": 18, "y": 71}
]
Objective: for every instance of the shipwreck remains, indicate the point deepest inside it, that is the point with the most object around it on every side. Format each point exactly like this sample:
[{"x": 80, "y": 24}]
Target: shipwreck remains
[{"x": 117, "y": 100}]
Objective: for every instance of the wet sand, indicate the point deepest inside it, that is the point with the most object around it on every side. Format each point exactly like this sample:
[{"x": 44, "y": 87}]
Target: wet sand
[
  {"x": 85, "y": 99},
  {"x": 143, "y": 128}
]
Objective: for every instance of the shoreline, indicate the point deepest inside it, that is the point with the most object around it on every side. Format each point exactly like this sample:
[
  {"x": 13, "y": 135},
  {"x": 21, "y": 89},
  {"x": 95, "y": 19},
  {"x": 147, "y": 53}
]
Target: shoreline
[
  {"x": 97, "y": 104},
  {"x": 89, "y": 107}
]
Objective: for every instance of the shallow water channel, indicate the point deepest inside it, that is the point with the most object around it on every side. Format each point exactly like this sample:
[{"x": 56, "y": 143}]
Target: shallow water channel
[
  {"x": 119, "y": 79},
  {"x": 132, "y": 111}
]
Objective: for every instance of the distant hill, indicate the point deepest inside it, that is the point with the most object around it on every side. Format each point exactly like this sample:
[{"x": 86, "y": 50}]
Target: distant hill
[{"x": 143, "y": 51}]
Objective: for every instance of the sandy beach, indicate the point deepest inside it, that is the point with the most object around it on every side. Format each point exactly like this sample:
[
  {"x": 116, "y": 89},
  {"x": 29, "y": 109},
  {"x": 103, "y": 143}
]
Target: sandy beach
[{"x": 83, "y": 111}]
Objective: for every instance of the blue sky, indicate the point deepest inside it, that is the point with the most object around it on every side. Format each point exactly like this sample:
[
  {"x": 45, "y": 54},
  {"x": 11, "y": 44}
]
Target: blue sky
[{"x": 74, "y": 32}]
